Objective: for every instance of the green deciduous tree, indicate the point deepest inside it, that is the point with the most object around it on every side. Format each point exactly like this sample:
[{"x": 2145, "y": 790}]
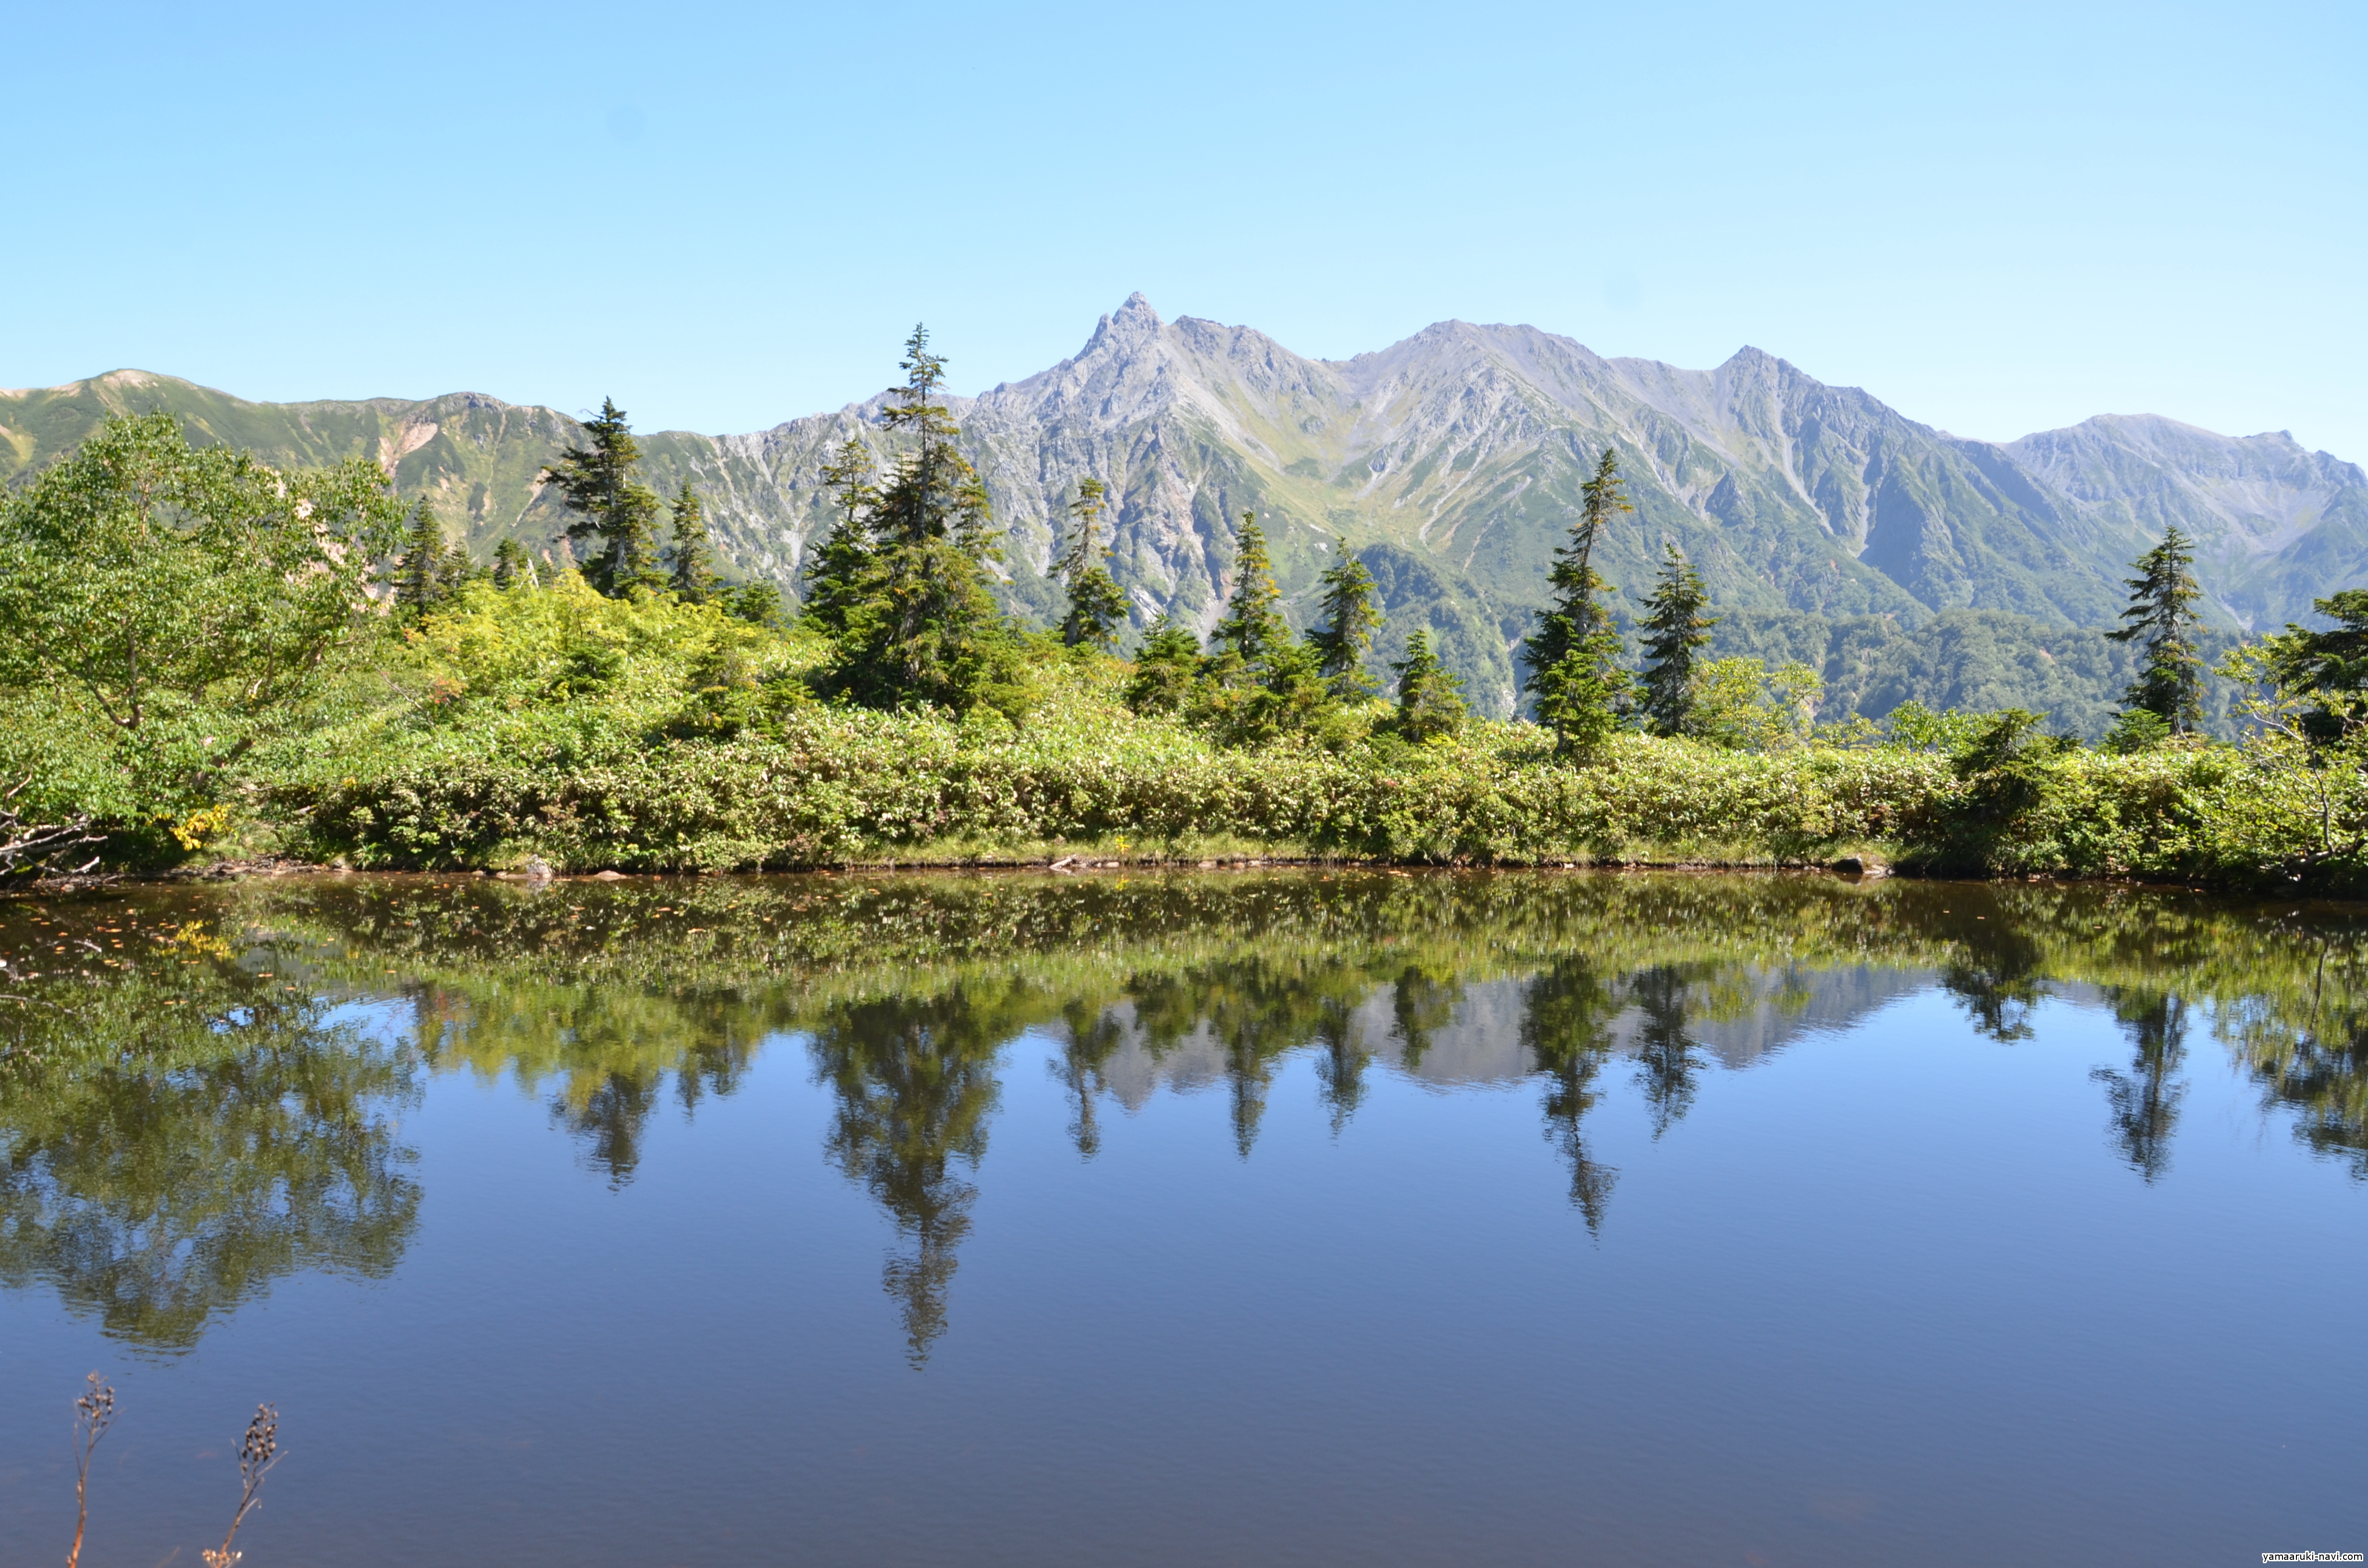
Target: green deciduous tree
[
  {"x": 2325, "y": 671},
  {"x": 1676, "y": 630},
  {"x": 1743, "y": 705},
  {"x": 1096, "y": 607},
  {"x": 1351, "y": 619},
  {"x": 614, "y": 510},
  {"x": 2162, "y": 619},
  {"x": 171, "y": 606},
  {"x": 691, "y": 559},
  {"x": 1431, "y": 698}
]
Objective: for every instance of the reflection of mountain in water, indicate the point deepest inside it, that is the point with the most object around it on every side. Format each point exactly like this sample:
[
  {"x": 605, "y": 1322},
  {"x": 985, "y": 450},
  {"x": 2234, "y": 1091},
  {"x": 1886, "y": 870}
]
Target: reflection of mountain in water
[
  {"x": 1479, "y": 1041},
  {"x": 173, "y": 1140}
]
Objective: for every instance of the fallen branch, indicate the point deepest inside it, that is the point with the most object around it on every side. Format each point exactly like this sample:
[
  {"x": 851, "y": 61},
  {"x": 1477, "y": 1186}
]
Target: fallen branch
[{"x": 34, "y": 848}]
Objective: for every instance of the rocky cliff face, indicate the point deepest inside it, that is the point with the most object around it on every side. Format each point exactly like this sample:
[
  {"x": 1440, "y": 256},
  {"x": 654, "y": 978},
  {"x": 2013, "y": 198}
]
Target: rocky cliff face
[{"x": 1451, "y": 462}]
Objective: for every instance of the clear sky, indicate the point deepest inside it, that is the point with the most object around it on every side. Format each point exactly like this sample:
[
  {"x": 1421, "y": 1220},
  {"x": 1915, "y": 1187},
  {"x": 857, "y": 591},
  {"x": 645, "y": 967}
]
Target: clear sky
[{"x": 1995, "y": 217}]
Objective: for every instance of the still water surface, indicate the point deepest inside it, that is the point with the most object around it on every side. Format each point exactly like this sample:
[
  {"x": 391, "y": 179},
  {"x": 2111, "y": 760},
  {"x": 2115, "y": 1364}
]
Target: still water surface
[{"x": 1248, "y": 1217}]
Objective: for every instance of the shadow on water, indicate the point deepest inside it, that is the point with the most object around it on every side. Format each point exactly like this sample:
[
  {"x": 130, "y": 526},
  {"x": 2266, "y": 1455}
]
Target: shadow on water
[{"x": 188, "y": 1111}]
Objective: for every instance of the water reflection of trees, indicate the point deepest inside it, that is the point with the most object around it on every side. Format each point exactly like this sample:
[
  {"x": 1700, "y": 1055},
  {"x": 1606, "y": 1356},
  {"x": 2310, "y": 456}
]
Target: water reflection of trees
[
  {"x": 914, "y": 1081},
  {"x": 190, "y": 1149},
  {"x": 1566, "y": 1018},
  {"x": 138, "y": 1183},
  {"x": 2145, "y": 1100}
]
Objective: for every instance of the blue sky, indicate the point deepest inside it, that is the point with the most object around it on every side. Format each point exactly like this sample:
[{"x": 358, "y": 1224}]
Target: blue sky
[{"x": 1996, "y": 218}]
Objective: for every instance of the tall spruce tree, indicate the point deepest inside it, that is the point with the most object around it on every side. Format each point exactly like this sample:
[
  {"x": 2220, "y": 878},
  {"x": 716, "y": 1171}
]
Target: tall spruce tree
[
  {"x": 1351, "y": 619},
  {"x": 613, "y": 508},
  {"x": 1431, "y": 699},
  {"x": 1096, "y": 607},
  {"x": 1253, "y": 631},
  {"x": 2162, "y": 618},
  {"x": 1573, "y": 657},
  {"x": 690, "y": 559},
  {"x": 421, "y": 582},
  {"x": 1676, "y": 630},
  {"x": 918, "y": 624},
  {"x": 836, "y": 574},
  {"x": 1574, "y": 613}
]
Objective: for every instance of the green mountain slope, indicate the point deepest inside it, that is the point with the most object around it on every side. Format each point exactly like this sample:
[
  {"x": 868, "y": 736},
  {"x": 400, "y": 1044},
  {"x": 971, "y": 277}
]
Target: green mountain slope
[{"x": 1451, "y": 463}]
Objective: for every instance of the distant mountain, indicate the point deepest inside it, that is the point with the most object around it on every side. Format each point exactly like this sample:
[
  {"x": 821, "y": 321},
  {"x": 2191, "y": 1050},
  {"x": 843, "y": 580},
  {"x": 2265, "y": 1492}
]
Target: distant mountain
[{"x": 1451, "y": 463}]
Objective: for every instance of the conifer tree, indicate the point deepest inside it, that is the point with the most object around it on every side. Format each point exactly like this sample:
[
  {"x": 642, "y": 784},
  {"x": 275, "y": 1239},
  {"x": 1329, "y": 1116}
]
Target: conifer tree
[
  {"x": 1253, "y": 631},
  {"x": 1097, "y": 607},
  {"x": 1574, "y": 655},
  {"x": 840, "y": 569},
  {"x": 510, "y": 563},
  {"x": 1430, "y": 700},
  {"x": 1165, "y": 669},
  {"x": 419, "y": 586},
  {"x": 1676, "y": 631},
  {"x": 2163, "y": 619},
  {"x": 758, "y": 602},
  {"x": 918, "y": 623},
  {"x": 1351, "y": 619},
  {"x": 601, "y": 484},
  {"x": 1574, "y": 613},
  {"x": 691, "y": 560}
]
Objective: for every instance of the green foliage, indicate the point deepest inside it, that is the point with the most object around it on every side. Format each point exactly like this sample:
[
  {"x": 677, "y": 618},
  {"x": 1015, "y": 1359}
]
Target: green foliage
[
  {"x": 2162, "y": 618},
  {"x": 512, "y": 566},
  {"x": 429, "y": 569},
  {"x": 1097, "y": 607},
  {"x": 916, "y": 624},
  {"x": 1573, "y": 614},
  {"x": 1351, "y": 619},
  {"x": 1584, "y": 696},
  {"x": 758, "y": 603},
  {"x": 613, "y": 508},
  {"x": 165, "y": 610},
  {"x": 1743, "y": 705},
  {"x": 691, "y": 559},
  {"x": 2328, "y": 669},
  {"x": 840, "y": 571},
  {"x": 1676, "y": 630},
  {"x": 1167, "y": 671},
  {"x": 2138, "y": 729},
  {"x": 1252, "y": 631},
  {"x": 1430, "y": 700},
  {"x": 1914, "y": 727}
]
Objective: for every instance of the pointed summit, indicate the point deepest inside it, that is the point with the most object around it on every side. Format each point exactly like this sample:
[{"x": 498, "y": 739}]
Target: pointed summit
[{"x": 1130, "y": 326}]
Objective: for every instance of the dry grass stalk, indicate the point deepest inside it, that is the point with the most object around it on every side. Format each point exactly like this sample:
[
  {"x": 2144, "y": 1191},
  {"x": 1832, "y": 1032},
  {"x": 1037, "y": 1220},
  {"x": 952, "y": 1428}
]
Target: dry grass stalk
[
  {"x": 257, "y": 1455},
  {"x": 93, "y": 1414}
]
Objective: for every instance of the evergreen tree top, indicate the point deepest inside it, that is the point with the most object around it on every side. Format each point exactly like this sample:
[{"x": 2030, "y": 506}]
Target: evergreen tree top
[
  {"x": 1253, "y": 628},
  {"x": 1086, "y": 509},
  {"x": 924, "y": 373}
]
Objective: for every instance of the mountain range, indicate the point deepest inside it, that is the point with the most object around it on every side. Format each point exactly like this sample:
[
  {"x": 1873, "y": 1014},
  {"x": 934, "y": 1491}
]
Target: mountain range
[{"x": 1905, "y": 561}]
